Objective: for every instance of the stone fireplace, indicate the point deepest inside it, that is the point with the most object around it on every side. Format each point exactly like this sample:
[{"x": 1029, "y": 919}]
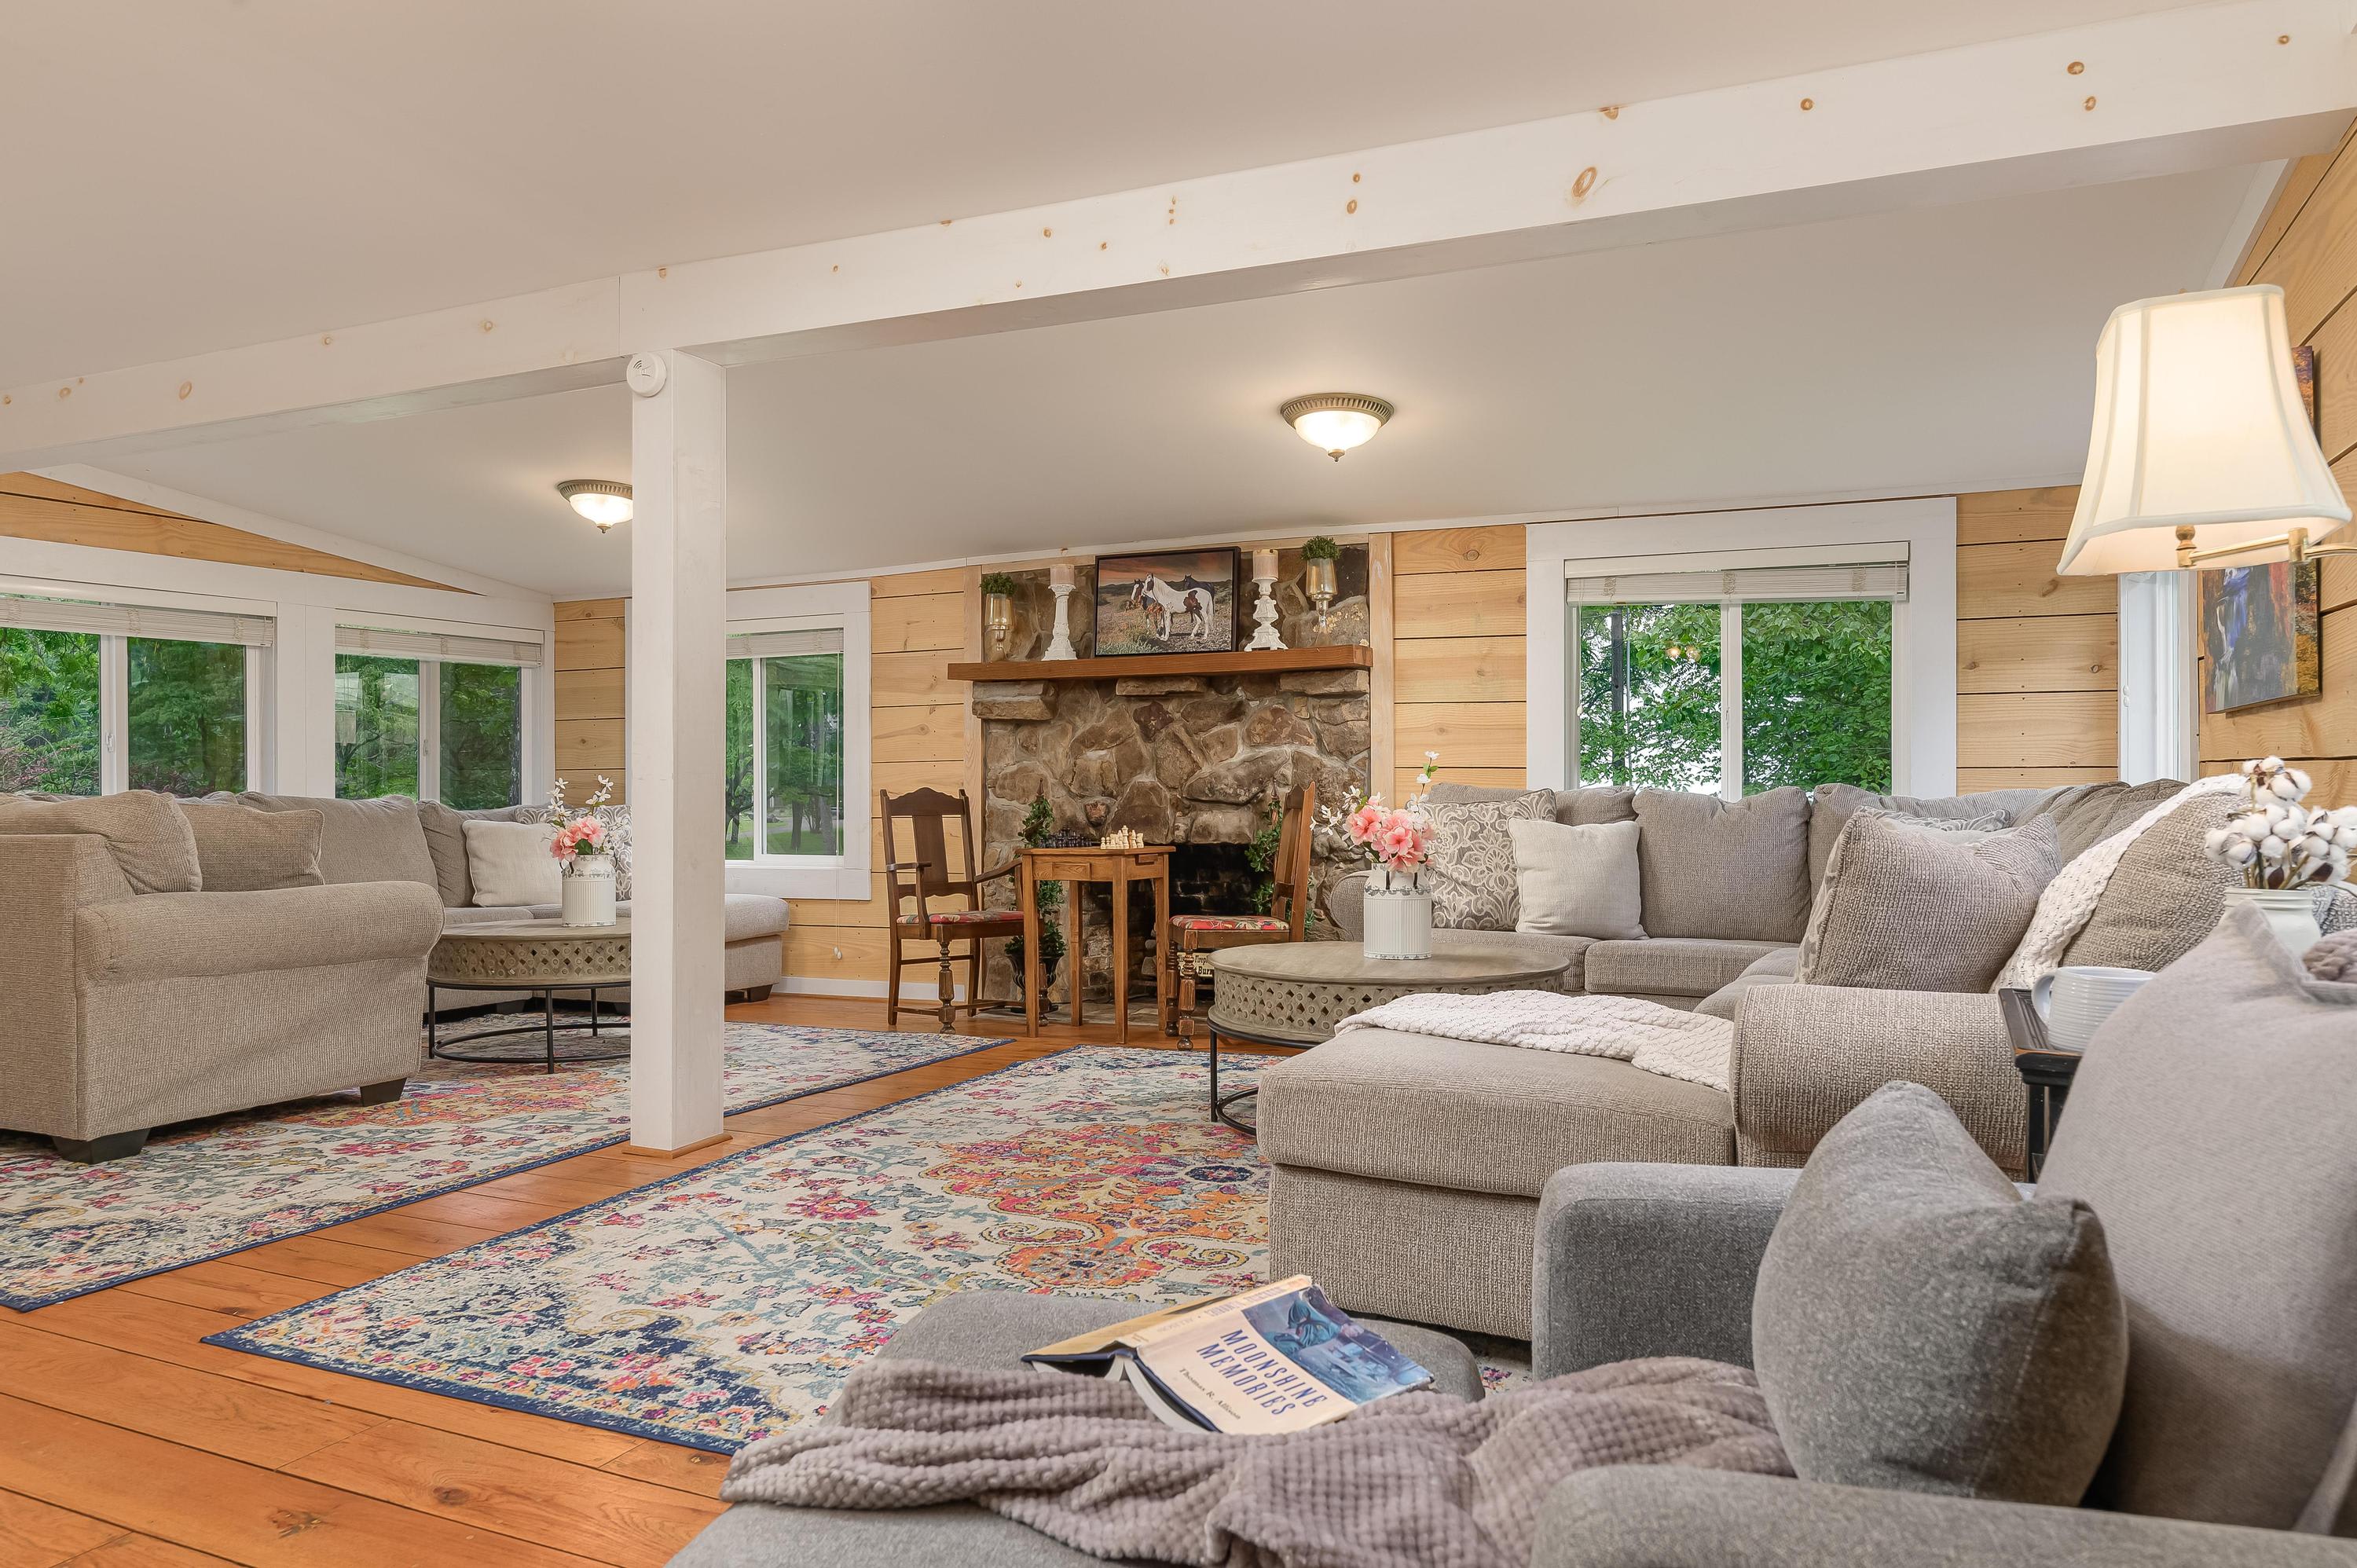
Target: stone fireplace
[{"x": 1197, "y": 760}]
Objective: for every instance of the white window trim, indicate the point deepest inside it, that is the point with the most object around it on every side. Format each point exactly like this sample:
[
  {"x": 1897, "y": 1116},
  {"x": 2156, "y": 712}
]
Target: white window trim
[
  {"x": 815, "y": 606},
  {"x": 1924, "y": 625}
]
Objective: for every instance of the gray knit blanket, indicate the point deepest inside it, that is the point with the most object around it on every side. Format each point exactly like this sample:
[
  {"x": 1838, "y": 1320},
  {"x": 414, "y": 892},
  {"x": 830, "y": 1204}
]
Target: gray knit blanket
[{"x": 1415, "y": 1481}]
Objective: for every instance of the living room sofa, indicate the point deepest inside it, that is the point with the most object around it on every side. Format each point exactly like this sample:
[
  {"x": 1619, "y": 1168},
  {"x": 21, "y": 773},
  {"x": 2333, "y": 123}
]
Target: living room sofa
[
  {"x": 132, "y": 1004},
  {"x": 395, "y": 838},
  {"x": 1437, "y": 1227}
]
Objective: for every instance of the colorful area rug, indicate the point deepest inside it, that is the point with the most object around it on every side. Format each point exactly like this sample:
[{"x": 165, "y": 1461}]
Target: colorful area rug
[
  {"x": 732, "y": 1300},
  {"x": 210, "y": 1188}
]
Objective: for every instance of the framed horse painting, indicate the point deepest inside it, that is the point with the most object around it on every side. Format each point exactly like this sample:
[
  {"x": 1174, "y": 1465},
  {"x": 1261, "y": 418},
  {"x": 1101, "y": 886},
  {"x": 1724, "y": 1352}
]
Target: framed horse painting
[{"x": 1172, "y": 601}]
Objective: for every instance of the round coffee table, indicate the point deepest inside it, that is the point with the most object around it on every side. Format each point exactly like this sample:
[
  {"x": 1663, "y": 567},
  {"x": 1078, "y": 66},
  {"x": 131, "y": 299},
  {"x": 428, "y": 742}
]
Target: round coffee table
[
  {"x": 530, "y": 955},
  {"x": 1293, "y": 993}
]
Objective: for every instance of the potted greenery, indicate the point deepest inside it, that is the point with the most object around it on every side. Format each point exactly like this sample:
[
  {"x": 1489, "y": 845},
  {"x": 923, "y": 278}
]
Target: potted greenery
[
  {"x": 997, "y": 613},
  {"x": 1038, "y": 825},
  {"x": 1318, "y": 578}
]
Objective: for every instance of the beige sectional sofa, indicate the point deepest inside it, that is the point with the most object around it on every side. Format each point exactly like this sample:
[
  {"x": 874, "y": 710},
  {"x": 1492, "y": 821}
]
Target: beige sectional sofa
[{"x": 1408, "y": 1169}]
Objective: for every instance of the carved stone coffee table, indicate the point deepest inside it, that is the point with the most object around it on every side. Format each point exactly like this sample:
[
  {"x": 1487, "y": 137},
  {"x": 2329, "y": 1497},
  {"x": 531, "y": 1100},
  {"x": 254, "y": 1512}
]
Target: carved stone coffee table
[
  {"x": 542, "y": 956},
  {"x": 1293, "y": 993}
]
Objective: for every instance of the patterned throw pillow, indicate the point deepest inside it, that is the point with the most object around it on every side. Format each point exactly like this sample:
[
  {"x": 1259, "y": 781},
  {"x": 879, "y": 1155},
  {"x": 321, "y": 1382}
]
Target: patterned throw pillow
[
  {"x": 1471, "y": 870},
  {"x": 617, "y": 818}
]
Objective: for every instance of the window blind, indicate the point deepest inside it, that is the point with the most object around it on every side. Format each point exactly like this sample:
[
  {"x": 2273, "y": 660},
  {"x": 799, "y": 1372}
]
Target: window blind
[
  {"x": 136, "y": 620},
  {"x": 388, "y": 643},
  {"x": 784, "y": 644},
  {"x": 1755, "y": 585}
]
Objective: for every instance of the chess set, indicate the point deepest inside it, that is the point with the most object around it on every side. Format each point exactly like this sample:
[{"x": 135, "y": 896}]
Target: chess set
[{"x": 1122, "y": 838}]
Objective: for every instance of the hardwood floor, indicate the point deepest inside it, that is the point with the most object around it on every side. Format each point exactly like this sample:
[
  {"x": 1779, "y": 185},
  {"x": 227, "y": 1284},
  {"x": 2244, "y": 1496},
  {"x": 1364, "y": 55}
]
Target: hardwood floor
[{"x": 127, "y": 1443}]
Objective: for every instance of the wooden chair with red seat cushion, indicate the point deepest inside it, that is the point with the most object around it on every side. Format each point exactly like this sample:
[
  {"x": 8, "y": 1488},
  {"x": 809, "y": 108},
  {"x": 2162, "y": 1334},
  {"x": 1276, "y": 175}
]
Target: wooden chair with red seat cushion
[
  {"x": 926, "y": 879},
  {"x": 1188, "y": 941}
]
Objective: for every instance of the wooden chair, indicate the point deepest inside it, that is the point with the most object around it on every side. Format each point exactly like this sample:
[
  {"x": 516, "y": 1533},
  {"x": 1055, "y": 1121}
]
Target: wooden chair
[
  {"x": 1188, "y": 941},
  {"x": 927, "y": 879}
]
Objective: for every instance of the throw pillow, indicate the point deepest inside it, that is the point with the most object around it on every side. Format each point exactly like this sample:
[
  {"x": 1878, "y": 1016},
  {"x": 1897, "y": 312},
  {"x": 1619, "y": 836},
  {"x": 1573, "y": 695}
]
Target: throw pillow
[
  {"x": 1577, "y": 881},
  {"x": 148, "y": 837},
  {"x": 1472, "y": 869},
  {"x": 1831, "y": 806},
  {"x": 617, "y": 818},
  {"x": 1718, "y": 868},
  {"x": 241, "y": 850},
  {"x": 509, "y": 864},
  {"x": 1918, "y": 1325},
  {"x": 2213, "y": 1124},
  {"x": 1917, "y": 905},
  {"x": 2165, "y": 895}
]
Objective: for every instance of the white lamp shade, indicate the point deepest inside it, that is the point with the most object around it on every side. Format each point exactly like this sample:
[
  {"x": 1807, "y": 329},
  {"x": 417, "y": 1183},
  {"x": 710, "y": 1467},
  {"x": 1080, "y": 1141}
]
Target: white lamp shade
[{"x": 2198, "y": 425}]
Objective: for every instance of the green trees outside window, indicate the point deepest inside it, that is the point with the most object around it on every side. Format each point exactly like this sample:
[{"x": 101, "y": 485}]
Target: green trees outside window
[
  {"x": 1812, "y": 695},
  {"x": 376, "y": 726},
  {"x": 783, "y": 732},
  {"x": 187, "y": 716},
  {"x": 49, "y": 710},
  {"x": 481, "y": 735}
]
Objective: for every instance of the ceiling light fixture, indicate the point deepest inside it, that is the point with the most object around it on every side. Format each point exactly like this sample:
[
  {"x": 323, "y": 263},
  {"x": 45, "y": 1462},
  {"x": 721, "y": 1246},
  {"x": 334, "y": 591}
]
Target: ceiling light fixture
[
  {"x": 1336, "y": 422},
  {"x": 603, "y": 501}
]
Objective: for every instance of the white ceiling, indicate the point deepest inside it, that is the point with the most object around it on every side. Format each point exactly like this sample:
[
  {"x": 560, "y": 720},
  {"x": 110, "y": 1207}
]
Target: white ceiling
[
  {"x": 1929, "y": 350},
  {"x": 202, "y": 174}
]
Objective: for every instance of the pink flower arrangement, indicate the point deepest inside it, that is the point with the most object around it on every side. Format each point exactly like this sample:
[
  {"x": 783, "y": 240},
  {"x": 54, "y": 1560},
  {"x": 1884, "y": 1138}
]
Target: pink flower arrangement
[
  {"x": 1398, "y": 836},
  {"x": 583, "y": 835}
]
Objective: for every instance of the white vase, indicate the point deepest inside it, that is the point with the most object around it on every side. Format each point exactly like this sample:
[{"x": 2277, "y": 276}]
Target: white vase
[
  {"x": 2290, "y": 912},
  {"x": 588, "y": 891},
  {"x": 1398, "y": 916}
]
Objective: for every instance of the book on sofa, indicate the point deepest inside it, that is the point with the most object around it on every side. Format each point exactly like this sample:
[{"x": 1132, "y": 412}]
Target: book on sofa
[{"x": 1279, "y": 1359}]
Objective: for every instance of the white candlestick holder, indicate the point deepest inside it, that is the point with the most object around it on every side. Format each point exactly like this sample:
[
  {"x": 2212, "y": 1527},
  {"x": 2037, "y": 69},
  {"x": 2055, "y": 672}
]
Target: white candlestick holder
[
  {"x": 1264, "y": 612},
  {"x": 1060, "y": 645}
]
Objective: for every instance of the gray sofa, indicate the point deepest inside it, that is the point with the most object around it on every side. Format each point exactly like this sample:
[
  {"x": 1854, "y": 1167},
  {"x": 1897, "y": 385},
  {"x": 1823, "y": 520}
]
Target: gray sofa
[
  {"x": 397, "y": 839},
  {"x": 129, "y": 1005},
  {"x": 1438, "y": 1228}
]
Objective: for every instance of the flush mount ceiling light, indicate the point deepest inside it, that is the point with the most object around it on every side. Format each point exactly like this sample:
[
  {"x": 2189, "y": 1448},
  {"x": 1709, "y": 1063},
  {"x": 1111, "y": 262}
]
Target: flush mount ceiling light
[
  {"x": 1336, "y": 422},
  {"x": 603, "y": 501}
]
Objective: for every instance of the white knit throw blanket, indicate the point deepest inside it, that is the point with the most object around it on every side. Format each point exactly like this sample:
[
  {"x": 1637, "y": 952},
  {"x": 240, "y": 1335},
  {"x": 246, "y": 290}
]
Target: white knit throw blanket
[
  {"x": 1647, "y": 1035},
  {"x": 2069, "y": 901}
]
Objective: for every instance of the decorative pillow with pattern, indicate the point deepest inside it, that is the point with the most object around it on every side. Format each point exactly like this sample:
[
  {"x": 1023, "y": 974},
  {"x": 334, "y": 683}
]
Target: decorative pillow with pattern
[
  {"x": 617, "y": 818},
  {"x": 1470, "y": 873}
]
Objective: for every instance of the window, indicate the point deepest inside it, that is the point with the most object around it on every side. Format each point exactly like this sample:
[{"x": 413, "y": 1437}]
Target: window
[
  {"x": 186, "y": 716},
  {"x": 49, "y": 710},
  {"x": 434, "y": 716},
  {"x": 784, "y": 767},
  {"x": 1737, "y": 681},
  {"x": 95, "y": 697}
]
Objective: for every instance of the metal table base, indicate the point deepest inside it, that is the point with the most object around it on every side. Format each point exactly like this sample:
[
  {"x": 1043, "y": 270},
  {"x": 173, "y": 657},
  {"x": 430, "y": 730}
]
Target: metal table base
[{"x": 573, "y": 1053}]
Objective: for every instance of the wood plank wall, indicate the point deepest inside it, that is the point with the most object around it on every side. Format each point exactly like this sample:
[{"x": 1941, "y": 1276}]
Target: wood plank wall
[
  {"x": 57, "y": 513},
  {"x": 1458, "y": 684},
  {"x": 2037, "y": 654},
  {"x": 591, "y": 738},
  {"x": 2308, "y": 247}
]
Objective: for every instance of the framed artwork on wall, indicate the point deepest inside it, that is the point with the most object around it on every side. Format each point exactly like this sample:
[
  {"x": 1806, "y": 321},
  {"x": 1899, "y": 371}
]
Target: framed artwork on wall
[
  {"x": 1169, "y": 601},
  {"x": 2261, "y": 635}
]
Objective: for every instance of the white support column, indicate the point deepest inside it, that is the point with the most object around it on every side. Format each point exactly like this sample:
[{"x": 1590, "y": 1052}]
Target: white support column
[{"x": 679, "y": 470}]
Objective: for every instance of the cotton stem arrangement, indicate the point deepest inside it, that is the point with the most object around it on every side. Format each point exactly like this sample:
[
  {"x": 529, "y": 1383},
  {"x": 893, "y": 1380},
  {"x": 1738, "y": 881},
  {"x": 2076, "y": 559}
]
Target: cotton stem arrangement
[{"x": 2275, "y": 841}]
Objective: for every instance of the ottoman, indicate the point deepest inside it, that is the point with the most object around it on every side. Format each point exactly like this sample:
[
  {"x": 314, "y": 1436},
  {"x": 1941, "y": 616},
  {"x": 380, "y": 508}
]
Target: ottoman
[
  {"x": 974, "y": 1328},
  {"x": 1408, "y": 1169}
]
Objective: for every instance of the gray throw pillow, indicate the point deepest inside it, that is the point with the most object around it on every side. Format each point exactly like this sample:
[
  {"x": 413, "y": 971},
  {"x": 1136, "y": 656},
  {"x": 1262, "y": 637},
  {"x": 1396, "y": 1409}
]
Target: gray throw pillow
[
  {"x": 241, "y": 850},
  {"x": 1831, "y": 806},
  {"x": 362, "y": 841},
  {"x": 2165, "y": 895},
  {"x": 2213, "y": 1124},
  {"x": 1577, "y": 881},
  {"x": 1471, "y": 871},
  {"x": 445, "y": 841},
  {"x": 1918, "y": 1326},
  {"x": 1925, "y": 906},
  {"x": 144, "y": 831},
  {"x": 1717, "y": 868}
]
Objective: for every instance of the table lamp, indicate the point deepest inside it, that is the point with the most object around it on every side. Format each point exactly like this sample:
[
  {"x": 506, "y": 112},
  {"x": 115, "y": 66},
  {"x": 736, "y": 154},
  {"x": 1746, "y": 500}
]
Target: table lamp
[{"x": 2202, "y": 454}]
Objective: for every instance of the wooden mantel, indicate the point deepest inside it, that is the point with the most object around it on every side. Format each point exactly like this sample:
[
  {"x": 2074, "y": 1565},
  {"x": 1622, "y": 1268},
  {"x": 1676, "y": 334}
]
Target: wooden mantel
[{"x": 1240, "y": 662}]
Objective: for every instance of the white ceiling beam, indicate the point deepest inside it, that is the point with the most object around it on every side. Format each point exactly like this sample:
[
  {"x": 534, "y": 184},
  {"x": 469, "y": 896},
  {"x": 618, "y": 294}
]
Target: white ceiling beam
[{"x": 2200, "y": 86}]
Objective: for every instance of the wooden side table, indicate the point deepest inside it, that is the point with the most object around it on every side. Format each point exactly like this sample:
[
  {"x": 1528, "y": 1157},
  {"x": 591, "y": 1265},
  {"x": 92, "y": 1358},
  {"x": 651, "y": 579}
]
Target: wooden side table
[
  {"x": 1119, "y": 867},
  {"x": 2045, "y": 1072}
]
